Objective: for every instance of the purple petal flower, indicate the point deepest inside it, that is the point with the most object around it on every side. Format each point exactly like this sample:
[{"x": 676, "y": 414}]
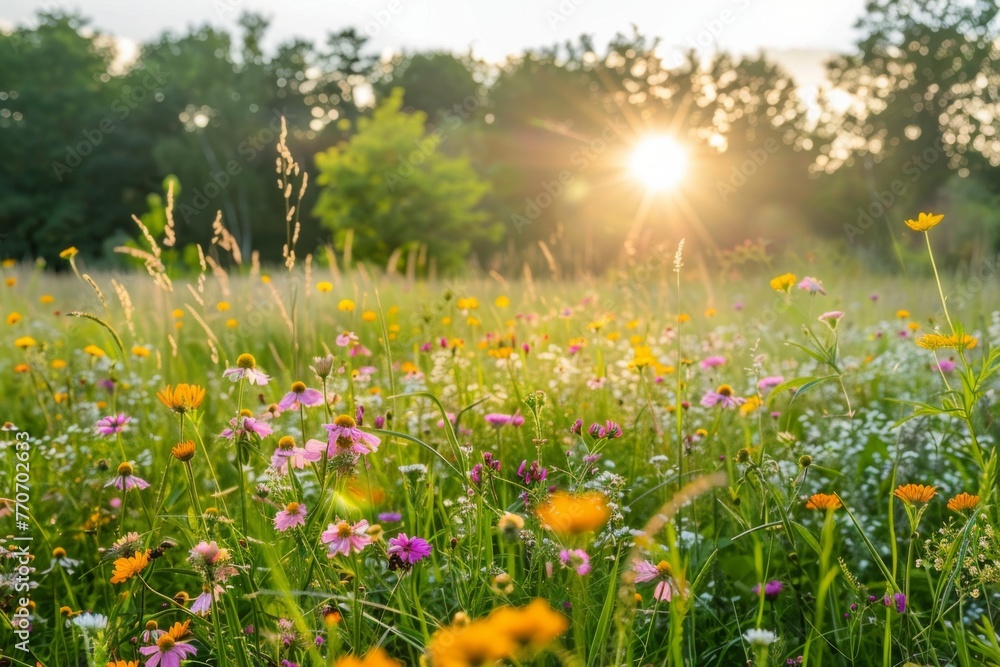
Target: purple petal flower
[{"x": 410, "y": 550}]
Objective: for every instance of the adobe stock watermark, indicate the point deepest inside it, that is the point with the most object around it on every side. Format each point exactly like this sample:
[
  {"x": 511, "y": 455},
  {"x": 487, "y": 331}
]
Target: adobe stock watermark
[
  {"x": 581, "y": 159},
  {"x": 451, "y": 121},
  {"x": 121, "y": 108},
  {"x": 740, "y": 174},
  {"x": 562, "y": 12},
  {"x": 707, "y": 37},
  {"x": 248, "y": 149},
  {"x": 883, "y": 200}
]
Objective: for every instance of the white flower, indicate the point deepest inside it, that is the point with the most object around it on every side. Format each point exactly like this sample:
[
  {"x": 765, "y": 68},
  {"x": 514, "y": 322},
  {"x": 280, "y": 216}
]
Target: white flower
[
  {"x": 759, "y": 638},
  {"x": 89, "y": 621}
]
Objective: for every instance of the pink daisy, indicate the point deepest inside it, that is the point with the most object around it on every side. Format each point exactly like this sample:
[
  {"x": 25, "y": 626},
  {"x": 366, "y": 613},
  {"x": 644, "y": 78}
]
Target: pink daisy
[
  {"x": 497, "y": 419},
  {"x": 712, "y": 362},
  {"x": 812, "y": 285},
  {"x": 293, "y": 515},
  {"x": 646, "y": 572},
  {"x": 344, "y": 435},
  {"x": 169, "y": 650},
  {"x": 248, "y": 426},
  {"x": 575, "y": 559},
  {"x": 300, "y": 396},
  {"x": 346, "y": 338},
  {"x": 113, "y": 424},
  {"x": 343, "y": 538},
  {"x": 297, "y": 457},
  {"x": 125, "y": 480}
]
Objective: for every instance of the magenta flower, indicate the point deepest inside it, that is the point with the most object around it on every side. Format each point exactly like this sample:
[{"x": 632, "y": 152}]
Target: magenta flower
[
  {"x": 125, "y": 480},
  {"x": 409, "y": 550},
  {"x": 390, "y": 517},
  {"x": 772, "y": 590},
  {"x": 248, "y": 426},
  {"x": 575, "y": 559},
  {"x": 293, "y": 515},
  {"x": 946, "y": 365},
  {"x": 723, "y": 398},
  {"x": 343, "y": 538},
  {"x": 343, "y": 435},
  {"x": 113, "y": 424},
  {"x": 610, "y": 430},
  {"x": 646, "y": 572},
  {"x": 712, "y": 362},
  {"x": 770, "y": 382},
  {"x": 167, "y": 651},
  {"x": 497, "y": 420},
  {"x": 300, "y": 397},
  {"x": 811, "y": 285}
]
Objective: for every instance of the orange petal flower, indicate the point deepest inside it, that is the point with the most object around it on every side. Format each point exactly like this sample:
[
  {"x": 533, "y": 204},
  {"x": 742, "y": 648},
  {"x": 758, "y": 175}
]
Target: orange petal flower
[
  {"x": 126, "y": 568},
  {"x": 962, "y": 502},
  {"x": 911, "y": 494},
  {"x": 183, "y": 398},
  {"x": 568, "y": 514},
  {"x": 824, "y": 501}
]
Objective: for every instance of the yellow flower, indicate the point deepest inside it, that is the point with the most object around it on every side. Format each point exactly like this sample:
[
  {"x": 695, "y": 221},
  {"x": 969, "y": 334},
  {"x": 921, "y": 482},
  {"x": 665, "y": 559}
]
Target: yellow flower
[
  {"x": 9, "y": 263},
  {"x": 912, "y": 326},
  {"x": 58, "y": 364},
  {"x": 94, "y": 351},
  {"x": 472, "y": 321},
  {"x": 46, "y": 299},
  {"x": 346, "y": 305},
  {"x": 140, "y": 351},
  {"x": 936, "y": 341},
  {"x": 324, "y": 286},
  {"x": 377, "y": 657},
  {"x": 572, "y": 515},
  {"x": 11, "y": 281},
  {"x": 751, "y": 404},
  {"x": 369, "y": 316},
  {"x": 222, "y": 306},
  {"x": 266, "y": 279},
  {"x": 710, "y": 312},
  {"x": 13, "y": 318},
  {"x": 823, "y": 501},
  {"x": 470, "y": 303},
  {"x": 962, "y": 502},
  {"x": 783, "y": 283},
  {"x": 532, "y": 626},
  {"x": 924, "y": 222},
  {"x": 467, "y": 645},
  {"x": 232, "y": 323},
  {"x": 902, "y": 314},
  {"x": 683, "y": 317},
  {"x": 501, "y": 302},
  {"x": 69, "y": 253},
  {"x": 126, "y": 568},
  {"x": 911, "y": 494},
  {"x": 183, "y": 398},
  {"x": 24, "y": 342}
]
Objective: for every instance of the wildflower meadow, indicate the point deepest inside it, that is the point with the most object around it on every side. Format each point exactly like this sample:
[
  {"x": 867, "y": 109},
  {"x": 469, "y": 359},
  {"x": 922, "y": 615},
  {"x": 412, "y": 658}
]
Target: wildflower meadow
[{"x": 317, "y": 465}]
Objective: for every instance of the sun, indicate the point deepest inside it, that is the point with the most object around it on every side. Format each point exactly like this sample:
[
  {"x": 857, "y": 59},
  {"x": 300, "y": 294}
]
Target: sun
[{"x": 659, "y": 162}]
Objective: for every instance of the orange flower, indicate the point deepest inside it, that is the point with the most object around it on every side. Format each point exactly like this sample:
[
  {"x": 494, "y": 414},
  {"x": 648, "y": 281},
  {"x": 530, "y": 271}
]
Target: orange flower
[
  {"x": 912, "y": 494},
  {"x": 375, "y": 658},
  {"x": 126, "y": 568},
  {"x": 924, "y": 222},
  {"x": 568, "y": 514},
  {"x": 183, "y": 451},
  {"x": 183, "y": 398},
  {"x": 824, "y": 501},
  {"x": 963, "y": 502},
  {"x": 936, "y": 341},
  {"x": 124, "y": 663}
]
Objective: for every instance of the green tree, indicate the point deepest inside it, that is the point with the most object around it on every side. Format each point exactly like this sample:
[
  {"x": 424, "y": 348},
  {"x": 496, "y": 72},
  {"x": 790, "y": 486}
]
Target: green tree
[{"x": 392, "y": 188}]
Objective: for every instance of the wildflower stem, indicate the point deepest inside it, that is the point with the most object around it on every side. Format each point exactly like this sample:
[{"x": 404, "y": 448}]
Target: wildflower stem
[{"x": 937, "y": 279}]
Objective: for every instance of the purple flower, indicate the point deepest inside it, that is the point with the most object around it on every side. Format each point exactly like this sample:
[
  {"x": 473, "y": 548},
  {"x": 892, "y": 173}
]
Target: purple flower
[
  {"x": 293, "y": 515},
  {"x": 346, "y": 338},
  {"x": 345, "y": 538},
  {"x": 723, "y": 398},
  {"x": 113, "y": 424},
  {"x": 898, "y": 600},
  {"x": 125, "y": 480},
  {"x": 533, "y": 473},
  {"x": 390, "y": 517},
  {"x": 646, "y": 572},
  {"x": 248, "y": 426},
  {"x": 811, "y": 285},
  {"x": 203, "y": 603},
  {"x": 497, "y": 419},
  {"x": 769, "y": 382},
  {"x": 252, "y": 375},
  {"x": 409, "y": 550},
  {"x": 712, "y": 362},
  {"x": 946, "y": 365},
  {"x": 772, "y": 590},
  {"x": 300, "y": 397},
  {"x": 577, "y": 427},
  {"x": 297, "y": 457},
  {"x": 575, "y": 559}
]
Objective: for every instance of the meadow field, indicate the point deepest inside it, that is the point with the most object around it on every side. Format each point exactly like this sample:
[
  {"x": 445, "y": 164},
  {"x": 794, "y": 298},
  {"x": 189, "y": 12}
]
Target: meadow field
[{"x": 322, "y": 466}]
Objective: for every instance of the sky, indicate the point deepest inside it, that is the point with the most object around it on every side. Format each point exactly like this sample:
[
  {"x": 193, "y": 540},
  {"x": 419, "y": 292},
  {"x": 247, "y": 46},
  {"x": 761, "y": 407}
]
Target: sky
[{"x": 800, "y": 34}]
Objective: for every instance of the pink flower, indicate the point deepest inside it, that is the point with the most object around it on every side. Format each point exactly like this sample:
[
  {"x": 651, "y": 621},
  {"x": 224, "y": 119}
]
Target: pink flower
[
  {"x": 770, "y": 382},
  {"x": 831, "y": 319},
  {"x": 297, "y": 457},
  {"x": 712, "y": 362},
  {"x": 343, "y": 538},
  {"x": 497, "y": 419},
  {"x": 113, "y": 424},
  {"x": 205, "y": 553},
  {"x": 293, "y": 515},
  {"x": 646, "y": 572},
  {"x": 812, "y": 285},
  {"x": 252, "y": 375},
  {"x": 346, "y": 338},
  {"x": 249, "y": 426},
  {"x": 409, "y": 550},
  {"x": 203, "y": 603},
  {"x": 125, "y": 480},
  {"x": 724, "y": 399},
  {"x": 300, "y": 396},
  {"x": 344, "y": 435},
  {"x": 575, "y": 559},
  {"x": 596, "y": 383},
  {"x": 168, "y": 651},
  {"x": 946, "y": 365}
]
